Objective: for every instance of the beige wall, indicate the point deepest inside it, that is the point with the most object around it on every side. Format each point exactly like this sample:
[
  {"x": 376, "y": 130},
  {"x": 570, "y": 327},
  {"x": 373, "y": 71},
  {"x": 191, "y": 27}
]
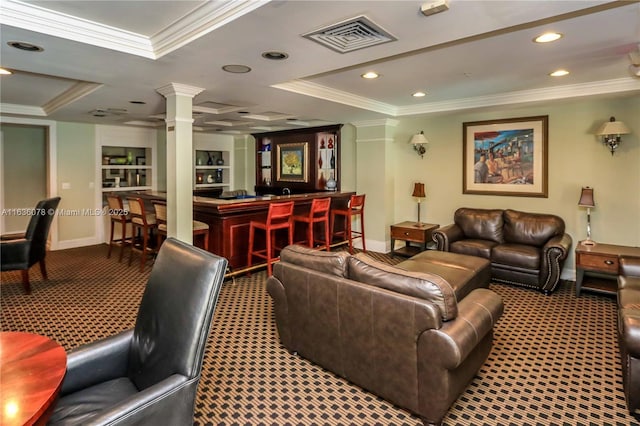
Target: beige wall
[
  {"x": 77, "y": 168},
  {"x": 576, "y": 159}
]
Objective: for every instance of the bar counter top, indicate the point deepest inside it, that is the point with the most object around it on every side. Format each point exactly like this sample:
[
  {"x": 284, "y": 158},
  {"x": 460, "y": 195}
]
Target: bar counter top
[{"x": 229, "y": 219}]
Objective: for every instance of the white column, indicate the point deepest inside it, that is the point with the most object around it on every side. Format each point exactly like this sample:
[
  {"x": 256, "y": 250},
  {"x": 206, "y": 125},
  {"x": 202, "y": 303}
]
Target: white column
[
  {"x": 375, "y": 177},
  {"x": 179, "y": 159}
]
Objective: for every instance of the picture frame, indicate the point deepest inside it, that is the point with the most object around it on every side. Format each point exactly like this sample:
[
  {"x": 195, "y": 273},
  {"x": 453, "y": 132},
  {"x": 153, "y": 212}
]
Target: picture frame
[
  {"x": 506, "y": 157},
  {"x": 292, "y": 162}
]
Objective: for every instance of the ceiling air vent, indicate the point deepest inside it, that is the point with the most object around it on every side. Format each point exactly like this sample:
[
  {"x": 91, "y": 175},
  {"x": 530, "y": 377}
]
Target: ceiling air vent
[{"x": 353, "y": 34}]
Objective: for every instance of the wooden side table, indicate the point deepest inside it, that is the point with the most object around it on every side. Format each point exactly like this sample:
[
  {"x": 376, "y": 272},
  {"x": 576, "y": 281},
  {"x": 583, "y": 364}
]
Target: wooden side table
[
  {"x": 411, "y": 232},
  {"x": 597, "y": 267}
]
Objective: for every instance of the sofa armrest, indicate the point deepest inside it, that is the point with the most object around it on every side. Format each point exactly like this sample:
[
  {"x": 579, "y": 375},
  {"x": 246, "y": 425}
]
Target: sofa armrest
[
  {"x": 446, "y": 235},
  {"x": 630, "y": 266},
  {"x": 281, "y": 309},
  {"x": 554, "y": 253},
  {"x": 629, "y": 330},
  {"x": 450, "y": 345}
]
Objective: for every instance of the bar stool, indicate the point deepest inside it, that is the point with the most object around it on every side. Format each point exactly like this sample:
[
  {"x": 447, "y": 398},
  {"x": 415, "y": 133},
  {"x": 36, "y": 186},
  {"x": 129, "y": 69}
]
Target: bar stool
[
  {"x": 144, "y": 223},
  {"x": 199, "y": 228},
  {"x": 319, "y": 213},
  {"x": 279, "y": 216},
  {"x": 354, "y": 208},
  {"x": 118, "y": 217}
]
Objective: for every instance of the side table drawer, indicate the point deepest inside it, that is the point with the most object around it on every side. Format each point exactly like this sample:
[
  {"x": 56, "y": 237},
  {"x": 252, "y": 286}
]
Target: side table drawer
[
  {"x": 407, "y": 234},
  {"x": 598, "y": 262}
]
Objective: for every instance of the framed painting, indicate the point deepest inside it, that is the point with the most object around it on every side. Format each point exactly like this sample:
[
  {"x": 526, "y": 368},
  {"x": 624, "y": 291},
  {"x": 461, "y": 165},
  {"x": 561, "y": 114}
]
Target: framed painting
[
  {"x": 506, "y": 157},
  {"x": 293, "y": 162}
]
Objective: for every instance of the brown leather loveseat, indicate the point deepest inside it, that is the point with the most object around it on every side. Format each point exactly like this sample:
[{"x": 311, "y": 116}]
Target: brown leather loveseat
[
  {"x": 527, "y": 249},
  {"x": 412, "y": 337},
  {"x": 629, "y": 329}
]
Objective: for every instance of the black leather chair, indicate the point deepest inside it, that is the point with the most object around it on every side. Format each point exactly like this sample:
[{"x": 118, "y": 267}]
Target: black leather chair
[
  {"x": 149, "y": 375},
  {"x": 22, "y": 251}
]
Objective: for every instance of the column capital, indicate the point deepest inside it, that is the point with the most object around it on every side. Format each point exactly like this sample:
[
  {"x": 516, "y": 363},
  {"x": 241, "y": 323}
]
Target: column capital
[{"x": 179, "y": 90}]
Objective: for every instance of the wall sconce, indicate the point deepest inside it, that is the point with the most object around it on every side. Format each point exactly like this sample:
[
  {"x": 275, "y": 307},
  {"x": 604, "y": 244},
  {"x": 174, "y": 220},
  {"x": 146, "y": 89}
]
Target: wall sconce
[
  {"x": 418, "y": 141},
  {"x": 611, "y": 132},
  {"x": 418, "y": 192},
  {"x": 586, "y": 200}
]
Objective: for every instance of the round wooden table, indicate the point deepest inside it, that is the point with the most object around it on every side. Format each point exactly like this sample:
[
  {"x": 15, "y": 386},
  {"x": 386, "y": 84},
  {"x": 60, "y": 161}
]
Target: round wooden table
[{"x": 31, "y": 371}]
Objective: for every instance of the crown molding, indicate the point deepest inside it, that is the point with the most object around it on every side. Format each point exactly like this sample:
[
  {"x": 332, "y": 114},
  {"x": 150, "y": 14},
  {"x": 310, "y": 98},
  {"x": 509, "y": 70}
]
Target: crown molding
[
  {"x": 22, "y": 110},
  {"x": 201, "y": 21},
  {"x": 34, "y": 18},
  {"x": 626, "y": 84},
  {"x": 302, "y": 87},
  {"x": 328, "y": 94},
  {"x": 70, "y": 95},
  {"x": 375, "y": 123},
  {"x": 206, "y": 18}
]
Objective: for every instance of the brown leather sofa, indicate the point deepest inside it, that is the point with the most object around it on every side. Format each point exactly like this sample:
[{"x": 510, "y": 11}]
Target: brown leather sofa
[
  {"x": 629, "y": 330},
  {"x": 527, "y": 249},
  {"x": 414, "y": 334}
]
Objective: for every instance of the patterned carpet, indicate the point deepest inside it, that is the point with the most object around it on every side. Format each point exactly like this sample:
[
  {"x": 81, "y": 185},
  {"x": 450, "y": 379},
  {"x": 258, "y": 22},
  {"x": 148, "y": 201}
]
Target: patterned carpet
[{"x": 554, "y": 361}]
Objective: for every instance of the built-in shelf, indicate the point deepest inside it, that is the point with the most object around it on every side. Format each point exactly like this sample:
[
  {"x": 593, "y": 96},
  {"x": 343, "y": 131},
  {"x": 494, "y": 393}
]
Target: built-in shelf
[{"x": 126, "y": 168}]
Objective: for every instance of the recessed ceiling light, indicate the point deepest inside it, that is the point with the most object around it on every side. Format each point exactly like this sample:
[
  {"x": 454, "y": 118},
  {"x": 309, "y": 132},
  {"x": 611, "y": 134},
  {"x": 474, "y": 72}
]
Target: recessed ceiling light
[
  {"x": 236, "y": 69},
  {"x": 419, "y": 94},
  {"x": 138, "y": 102},
  {"x": 23, "y": 45},
  {"x": 370, "y": 75},
  {"x": 547, "y": 37},
  {"x": 559, "y": 73},
  {"x": 4, "y": 71},
  {"x": 276, "y": 56}
]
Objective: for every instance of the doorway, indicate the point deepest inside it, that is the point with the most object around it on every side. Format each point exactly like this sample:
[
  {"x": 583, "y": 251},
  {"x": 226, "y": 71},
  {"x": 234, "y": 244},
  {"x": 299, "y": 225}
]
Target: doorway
[{"x": 26, "y": 170}]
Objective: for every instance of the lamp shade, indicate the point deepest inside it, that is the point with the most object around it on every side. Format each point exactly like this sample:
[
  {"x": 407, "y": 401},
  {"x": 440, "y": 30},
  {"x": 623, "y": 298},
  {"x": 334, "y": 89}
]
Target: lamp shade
[
  {"x": 586, "y": 198},
  {"x": 418, "y": 190},
  {"x": 418, "y": 139},
  {"x": 613, "y": 127}
]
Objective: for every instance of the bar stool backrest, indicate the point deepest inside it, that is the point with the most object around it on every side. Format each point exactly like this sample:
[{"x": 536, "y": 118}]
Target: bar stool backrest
[
  {"x": 320, "y": 208},
  {"x": 357, "y": 202},
  {"x": 161, "y": 215},
  {"x": 116, "y": 207},
  {"x": 279, "y": 213},
  {"x": 136, "y": 209}
]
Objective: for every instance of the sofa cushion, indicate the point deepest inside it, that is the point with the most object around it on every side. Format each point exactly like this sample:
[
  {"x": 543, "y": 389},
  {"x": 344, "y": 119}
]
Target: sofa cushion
[
  {"x": 423, "y": 285},
  {"x": 334, "y": 263},
  {"x": 531, "y": 228},
  {"x": 479, "y": 248},
  {"x": 518, "y": 255},
  {"x": 480, "y": 224}
]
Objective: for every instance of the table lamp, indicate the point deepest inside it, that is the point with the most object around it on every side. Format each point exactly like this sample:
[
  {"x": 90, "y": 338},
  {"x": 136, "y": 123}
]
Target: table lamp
[
  {"x": 418, "y": 193},
  {"x": 586, "y": 200}
]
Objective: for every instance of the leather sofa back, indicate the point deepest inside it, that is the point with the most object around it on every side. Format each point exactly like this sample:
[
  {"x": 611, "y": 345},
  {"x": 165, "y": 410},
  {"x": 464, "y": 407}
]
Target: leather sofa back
[
  {"x": 429, "y": 287},
  {"x": 481, "y": 224},
  {"x": 332, "y": 263},
  {"x": 532, "y": 229}
]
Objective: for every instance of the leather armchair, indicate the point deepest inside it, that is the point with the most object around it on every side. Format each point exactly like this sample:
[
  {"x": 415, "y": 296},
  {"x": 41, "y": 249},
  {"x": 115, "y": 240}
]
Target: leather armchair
[
  {"x": 22, "y": 251},
  {"x": 629, "y": 329},
  {"x": 149, "y": 375}
]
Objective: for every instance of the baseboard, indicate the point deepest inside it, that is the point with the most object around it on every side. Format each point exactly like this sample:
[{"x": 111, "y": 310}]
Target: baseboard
[{"x": 79, "y": 242}]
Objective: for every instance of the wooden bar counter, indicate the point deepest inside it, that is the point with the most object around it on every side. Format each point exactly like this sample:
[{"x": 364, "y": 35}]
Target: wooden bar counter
[{"x": 228, "y": 221}]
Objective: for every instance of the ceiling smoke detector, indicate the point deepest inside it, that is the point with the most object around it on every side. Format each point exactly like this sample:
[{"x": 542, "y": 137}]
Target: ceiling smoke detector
[
  {"x": 433, "y": 7},
  {"x": 352, "y": 34}
]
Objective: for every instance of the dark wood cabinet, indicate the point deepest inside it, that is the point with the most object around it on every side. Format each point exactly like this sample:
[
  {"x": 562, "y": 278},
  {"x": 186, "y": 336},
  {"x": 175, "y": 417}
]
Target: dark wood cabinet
[{"x": 299, "y": 160}]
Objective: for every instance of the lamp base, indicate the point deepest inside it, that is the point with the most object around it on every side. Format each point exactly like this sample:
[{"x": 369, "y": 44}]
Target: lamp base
[
  {"x": 418, "y": 224},
  {"x": 588, "y": 242}
]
